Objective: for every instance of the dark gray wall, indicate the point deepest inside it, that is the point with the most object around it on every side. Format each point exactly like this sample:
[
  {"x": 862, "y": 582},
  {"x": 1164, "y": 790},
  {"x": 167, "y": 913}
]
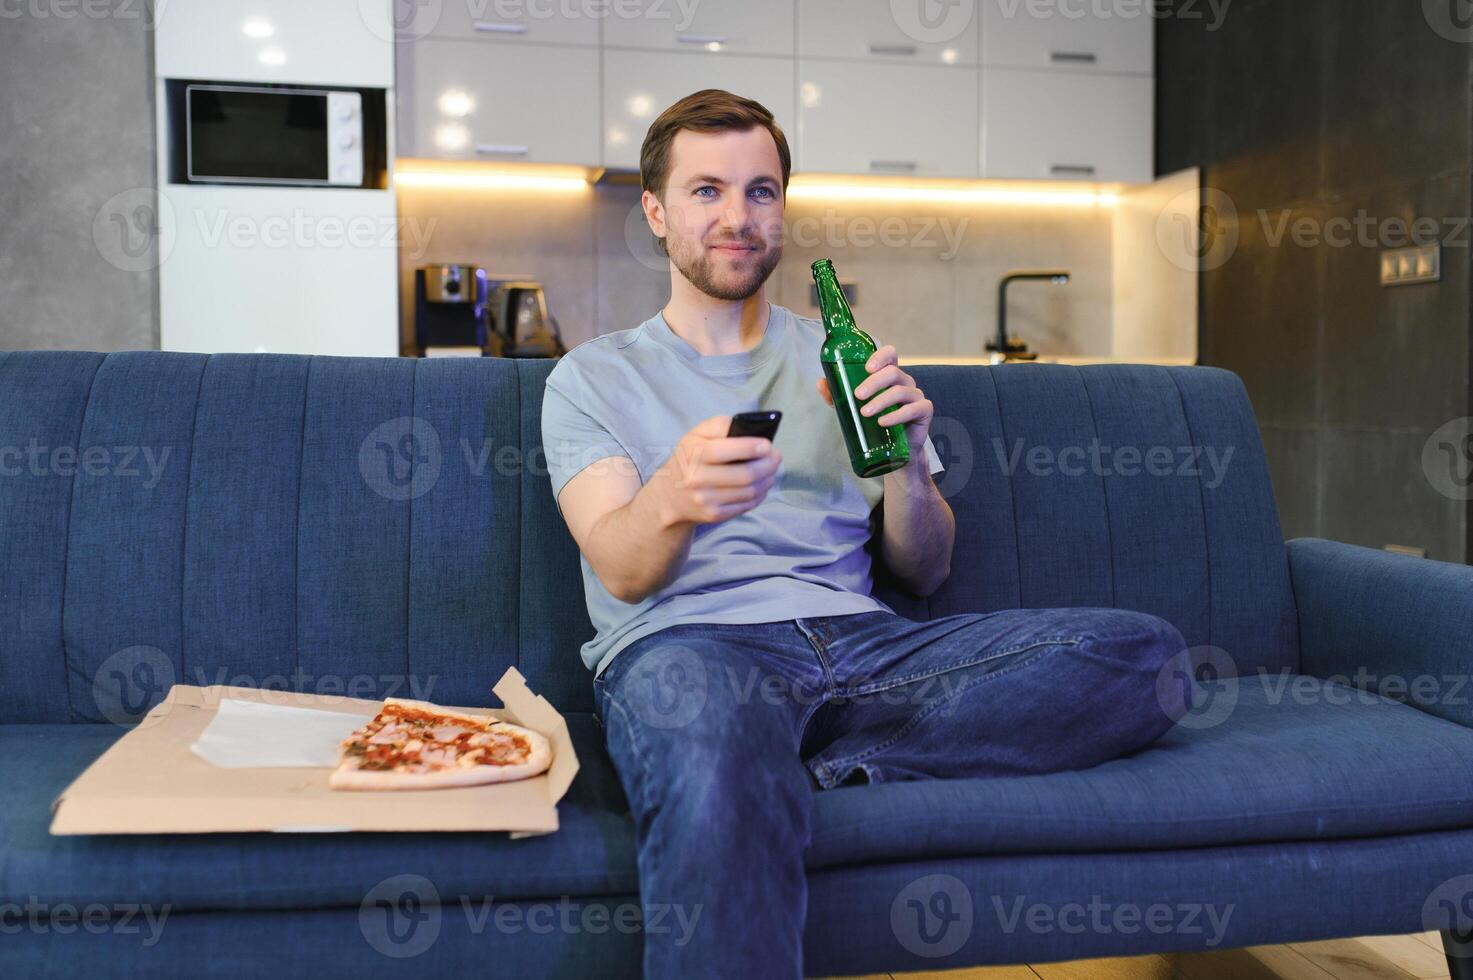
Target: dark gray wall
[
  {"x": 77, "y": 254},
  {"x": 1322, "y": 110}
]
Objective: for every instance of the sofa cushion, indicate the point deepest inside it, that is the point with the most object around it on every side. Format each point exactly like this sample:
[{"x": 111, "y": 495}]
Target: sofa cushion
[
  {"x": 591, "y": 854},
  {"x": 1273, "y": 757},
  {"x": 1312, "y": 761}
]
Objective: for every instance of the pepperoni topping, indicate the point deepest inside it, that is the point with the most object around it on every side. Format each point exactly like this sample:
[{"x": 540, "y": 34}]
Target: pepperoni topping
[{"x": 414, "y": 740}]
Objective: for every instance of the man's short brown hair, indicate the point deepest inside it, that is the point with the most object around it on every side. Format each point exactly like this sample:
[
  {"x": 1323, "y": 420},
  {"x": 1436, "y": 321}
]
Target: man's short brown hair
[{"x": 710, "y": 110}]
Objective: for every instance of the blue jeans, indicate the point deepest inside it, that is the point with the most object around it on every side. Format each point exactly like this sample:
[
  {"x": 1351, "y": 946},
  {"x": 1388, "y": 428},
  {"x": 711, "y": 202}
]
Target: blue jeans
[{"x": 722, "y": 733}]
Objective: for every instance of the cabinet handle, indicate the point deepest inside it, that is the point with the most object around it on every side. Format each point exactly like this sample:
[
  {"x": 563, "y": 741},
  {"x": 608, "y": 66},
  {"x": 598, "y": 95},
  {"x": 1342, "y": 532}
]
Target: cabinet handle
[
  {"x": 906, "y": 49},
  {"x": 1073, "y": 57},
  {"x": 500, "y": 27},
  {"x": 907, "y": 165},
  {"x": 1072, "y": 170},
  {"x": 701, "y": 38},
  {"x": 502, "y": 149}
]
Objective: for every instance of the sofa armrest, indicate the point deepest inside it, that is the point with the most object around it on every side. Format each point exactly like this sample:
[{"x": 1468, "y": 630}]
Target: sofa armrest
[{"x": 1384, "y": 622}]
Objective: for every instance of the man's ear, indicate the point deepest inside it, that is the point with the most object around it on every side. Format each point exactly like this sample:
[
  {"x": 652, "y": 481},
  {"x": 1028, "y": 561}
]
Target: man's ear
[{"x": 654, "y": 213}]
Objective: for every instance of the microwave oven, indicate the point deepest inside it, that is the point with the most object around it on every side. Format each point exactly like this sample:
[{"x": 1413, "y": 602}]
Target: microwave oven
[{"x": 276, "y": 134}]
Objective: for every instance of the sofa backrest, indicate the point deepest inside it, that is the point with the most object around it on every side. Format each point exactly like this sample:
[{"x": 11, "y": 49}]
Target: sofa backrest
[{"x": 385, "y": 527}]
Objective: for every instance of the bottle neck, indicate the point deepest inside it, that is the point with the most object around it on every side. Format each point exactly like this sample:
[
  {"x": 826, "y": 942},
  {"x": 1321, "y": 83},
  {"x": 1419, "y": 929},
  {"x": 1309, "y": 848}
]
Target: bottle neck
[{"x": 832, "y": 304}]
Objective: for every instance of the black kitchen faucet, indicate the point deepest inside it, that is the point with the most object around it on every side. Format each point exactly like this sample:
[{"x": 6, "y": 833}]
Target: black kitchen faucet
[{"x": 1016, "y": 350}]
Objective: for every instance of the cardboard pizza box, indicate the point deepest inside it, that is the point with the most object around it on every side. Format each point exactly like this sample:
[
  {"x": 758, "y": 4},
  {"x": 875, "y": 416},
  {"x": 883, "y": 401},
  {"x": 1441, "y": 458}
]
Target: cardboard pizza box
[{"x": 150, "y": 781}]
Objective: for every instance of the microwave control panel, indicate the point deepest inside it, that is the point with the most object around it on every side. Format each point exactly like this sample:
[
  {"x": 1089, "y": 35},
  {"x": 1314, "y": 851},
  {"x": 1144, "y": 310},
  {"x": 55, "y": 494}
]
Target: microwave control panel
[{"x": 345, "y": 138}]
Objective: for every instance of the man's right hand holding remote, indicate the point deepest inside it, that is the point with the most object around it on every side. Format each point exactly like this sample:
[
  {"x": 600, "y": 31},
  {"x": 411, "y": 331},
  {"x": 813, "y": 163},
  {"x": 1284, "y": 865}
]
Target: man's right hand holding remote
[{"x": 637, "y": 537}]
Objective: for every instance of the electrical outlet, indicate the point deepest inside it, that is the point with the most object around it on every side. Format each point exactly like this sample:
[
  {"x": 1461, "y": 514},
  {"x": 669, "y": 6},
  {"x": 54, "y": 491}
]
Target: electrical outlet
[{"x": 1409, "y": 266}]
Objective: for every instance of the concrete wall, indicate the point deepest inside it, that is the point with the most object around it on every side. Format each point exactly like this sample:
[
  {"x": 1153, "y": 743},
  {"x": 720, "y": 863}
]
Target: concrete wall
[
  {"x": 77, "y": 248},
  {"x": 1324, "y": 128}
]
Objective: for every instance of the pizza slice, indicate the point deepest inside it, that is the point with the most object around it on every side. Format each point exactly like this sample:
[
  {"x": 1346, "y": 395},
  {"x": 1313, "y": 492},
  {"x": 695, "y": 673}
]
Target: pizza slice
[{"x": 418, "y": 745}]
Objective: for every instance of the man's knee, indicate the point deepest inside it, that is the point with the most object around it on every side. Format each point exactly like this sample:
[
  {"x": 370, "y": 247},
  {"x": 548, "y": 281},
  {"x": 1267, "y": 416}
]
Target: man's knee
[
  {"x": 1137, "y": 638},
  {"x": 1146, "y": 652}
]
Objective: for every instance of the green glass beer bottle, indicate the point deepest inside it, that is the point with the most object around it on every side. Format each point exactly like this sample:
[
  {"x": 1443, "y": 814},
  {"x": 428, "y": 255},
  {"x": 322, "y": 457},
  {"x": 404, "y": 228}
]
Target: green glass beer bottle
[{"x": 874, "y": 449}]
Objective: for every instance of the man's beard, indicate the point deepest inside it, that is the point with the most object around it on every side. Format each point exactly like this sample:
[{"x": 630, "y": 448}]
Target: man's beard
[{"x": 695, "y": 263}]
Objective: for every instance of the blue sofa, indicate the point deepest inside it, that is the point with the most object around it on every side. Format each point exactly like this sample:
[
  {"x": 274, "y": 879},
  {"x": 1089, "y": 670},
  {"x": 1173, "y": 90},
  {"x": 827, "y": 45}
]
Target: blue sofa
[{"x": 322, "y": 522}]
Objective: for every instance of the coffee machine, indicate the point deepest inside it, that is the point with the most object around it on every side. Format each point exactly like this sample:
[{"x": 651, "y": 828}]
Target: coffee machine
[
  {"x": 460, "y": 309},
  {"x": 452, "y": 311}
]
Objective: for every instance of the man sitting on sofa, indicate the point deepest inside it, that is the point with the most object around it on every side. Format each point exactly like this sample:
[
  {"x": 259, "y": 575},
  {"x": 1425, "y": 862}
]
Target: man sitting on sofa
[{"x": 740, "y": 661}]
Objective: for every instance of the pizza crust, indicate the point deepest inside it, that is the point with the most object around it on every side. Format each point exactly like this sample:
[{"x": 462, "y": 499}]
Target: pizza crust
[{"x": 539, "y": 757}]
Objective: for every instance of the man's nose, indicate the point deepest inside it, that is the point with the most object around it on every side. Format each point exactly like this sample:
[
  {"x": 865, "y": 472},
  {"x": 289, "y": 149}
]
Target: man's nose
[{"x": 736, "y": 213}]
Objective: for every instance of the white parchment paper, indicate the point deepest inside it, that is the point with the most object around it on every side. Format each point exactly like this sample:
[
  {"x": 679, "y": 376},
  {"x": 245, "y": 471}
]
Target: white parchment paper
[{"x": 249, "y": 734}]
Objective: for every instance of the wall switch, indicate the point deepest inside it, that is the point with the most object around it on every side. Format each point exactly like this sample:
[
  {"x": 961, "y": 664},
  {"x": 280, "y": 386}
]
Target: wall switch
[{"x": 1409, "y": 266}]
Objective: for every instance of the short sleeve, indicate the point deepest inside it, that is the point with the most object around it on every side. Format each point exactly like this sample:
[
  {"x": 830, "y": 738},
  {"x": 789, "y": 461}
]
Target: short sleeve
[
  {"x": 572, "y": 439},
  {"x": 933, "y": 457}
]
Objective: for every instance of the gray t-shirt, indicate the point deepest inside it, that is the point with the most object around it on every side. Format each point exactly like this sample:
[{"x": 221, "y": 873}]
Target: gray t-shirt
[{"x": 801, "y": 552}]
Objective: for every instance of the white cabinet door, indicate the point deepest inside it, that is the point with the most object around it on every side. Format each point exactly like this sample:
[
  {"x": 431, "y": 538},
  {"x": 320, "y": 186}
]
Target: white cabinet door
[
  {"x": 889, "y": 32},
  {"x": 507, "y": 102},
  {"x": 865, "y": 118},
  {"x": 1068, "y": 36},
  {"x": 1069, "y": 126},
  {"x": 735, "y": 26},
  {"x": 639, "y": 85},
  {"x": 500, "y": 20}
]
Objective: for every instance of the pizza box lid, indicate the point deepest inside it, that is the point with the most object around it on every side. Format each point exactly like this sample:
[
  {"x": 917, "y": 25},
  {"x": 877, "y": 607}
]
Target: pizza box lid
[{"x": 150, "y": 782}]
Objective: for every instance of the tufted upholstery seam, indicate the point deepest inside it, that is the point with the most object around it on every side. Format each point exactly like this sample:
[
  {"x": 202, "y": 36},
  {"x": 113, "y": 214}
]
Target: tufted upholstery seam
[
  {"x": 66, "y": 547},
  {"x": 523, "y": 470},
  {"x": 1012, "y": 487},
  {"x": 297, "y": 529},
  {"x": 409, "y": 524},
  {"x": 1201, "y": 498},
  {"x": 1094, "y": 422},
  {"x": 199, "y": 392}
]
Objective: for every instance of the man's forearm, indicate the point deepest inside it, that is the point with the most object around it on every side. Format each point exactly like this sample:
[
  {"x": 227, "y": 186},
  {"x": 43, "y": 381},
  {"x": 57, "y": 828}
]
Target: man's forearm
[
  {"x": 918, "y": 528},
  {"x": 639, "y": 548}
]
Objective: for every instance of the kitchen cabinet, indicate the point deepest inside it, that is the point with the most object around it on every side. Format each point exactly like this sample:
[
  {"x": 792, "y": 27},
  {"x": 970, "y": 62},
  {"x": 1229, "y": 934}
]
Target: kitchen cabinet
[
  {"x": 1067, "y": 37},
  {"x": 995, "y": 89},
  {"x": 739, "y": 27},
  {"x": 1061, "y": 125},
  {"x": 488, "y": 20},
  {"x": 872, "y": 29},
  {"x": 639, "y": 85},
  {"x": 864, "y": 118},
  {"x": 473, "y": 101}
]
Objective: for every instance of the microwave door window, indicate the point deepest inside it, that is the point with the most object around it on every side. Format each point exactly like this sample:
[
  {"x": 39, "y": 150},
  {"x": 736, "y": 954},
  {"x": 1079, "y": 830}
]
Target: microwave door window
[{"x": 266, "y": 136}]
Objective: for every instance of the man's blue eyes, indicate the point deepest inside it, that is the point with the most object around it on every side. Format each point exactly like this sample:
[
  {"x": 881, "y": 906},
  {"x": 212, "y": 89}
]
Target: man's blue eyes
[{"x": 764, "y": 193}]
